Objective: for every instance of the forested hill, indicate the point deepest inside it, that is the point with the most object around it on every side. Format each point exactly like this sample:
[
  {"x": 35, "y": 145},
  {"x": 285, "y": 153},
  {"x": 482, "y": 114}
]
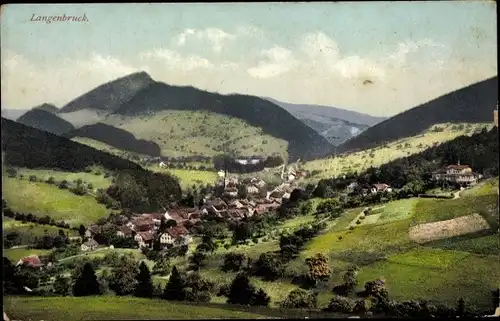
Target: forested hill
[
  {"x": 480, "y": 151},
  {"x": 472, "y": 104},
  {"x": 25, "y": 146},
  {"x": 44, "y": 119}
]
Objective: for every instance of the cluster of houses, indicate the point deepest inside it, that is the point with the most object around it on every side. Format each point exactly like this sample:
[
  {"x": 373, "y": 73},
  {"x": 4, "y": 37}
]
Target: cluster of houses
[{"x": 145, "y": 228}]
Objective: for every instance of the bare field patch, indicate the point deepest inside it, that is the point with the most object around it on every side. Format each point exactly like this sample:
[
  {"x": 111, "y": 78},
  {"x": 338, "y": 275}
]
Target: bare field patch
[{"x": 444, "y": 229}]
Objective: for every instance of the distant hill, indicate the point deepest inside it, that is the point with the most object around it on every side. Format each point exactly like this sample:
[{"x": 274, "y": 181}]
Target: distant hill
[
  {"x": 116, "y": 137},
  {"x": 13, "y": 114},
  {"x": 111, "y": 95},
  {"x": 137, "y": 95},
  {"x": 42, "y": 118},
  {"x": 472, "y": 104},
  {"x": 48, "y": 107},
  {"x": 335, "y": 124}
]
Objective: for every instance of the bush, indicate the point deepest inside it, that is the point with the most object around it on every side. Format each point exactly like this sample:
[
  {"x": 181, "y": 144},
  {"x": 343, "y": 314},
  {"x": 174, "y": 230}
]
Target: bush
[
  {"x": 341, "y": 304},
  {"x": 358, "y": 222},
  {"x": 32, "y": 178},
  {"x": 63, "y": 184},
  {"x": 50, "y": 180},
  {"x": 351, "y": 228},
  {"x": 300, "y": 299}
]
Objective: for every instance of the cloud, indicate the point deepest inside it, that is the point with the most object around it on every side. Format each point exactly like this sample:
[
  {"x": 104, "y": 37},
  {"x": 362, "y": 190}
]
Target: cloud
[
  {"x": 278, "y": 61},
  {"x": 216, "y": 37},
  {"x": 174, "y": 60}
]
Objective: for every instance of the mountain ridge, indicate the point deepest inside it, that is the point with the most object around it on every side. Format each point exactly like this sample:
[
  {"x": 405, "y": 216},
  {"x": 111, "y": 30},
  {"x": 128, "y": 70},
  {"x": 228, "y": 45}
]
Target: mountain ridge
[{"x": 471, "y": 104}]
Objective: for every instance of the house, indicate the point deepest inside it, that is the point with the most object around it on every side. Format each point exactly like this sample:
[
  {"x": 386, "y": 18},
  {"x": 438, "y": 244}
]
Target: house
[
  {"x": 380, "y": 188},
  {"x": 143, "y": 224},
  {"x": 258, "y": 182},
  {"x": 92, "y": 231},
  {"x": 218, "y": 204},
  {"x": 461, "y": 174},
  {"x": 231, "y": 191},
  {"x": 144, "y": 239},
  {"x": 124, "y": 231},
  {"x": 90, "y": 245},
  {"x": 174, "y": 234},
  {"x": 236, "y": 204},
  {"x": 252, "y": 189},
  {"x": 31, "y": 261}
]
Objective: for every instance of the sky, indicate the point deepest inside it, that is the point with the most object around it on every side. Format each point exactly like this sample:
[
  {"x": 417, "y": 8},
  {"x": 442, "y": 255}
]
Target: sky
[{"x": 379, "y": 58}]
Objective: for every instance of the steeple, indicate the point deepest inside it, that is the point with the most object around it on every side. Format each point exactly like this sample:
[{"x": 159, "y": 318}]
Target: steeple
[{"x": 458, "y": 163}]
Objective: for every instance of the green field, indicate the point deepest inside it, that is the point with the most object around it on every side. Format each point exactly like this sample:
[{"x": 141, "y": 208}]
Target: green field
[
  {"x": 436, "y": 274},
  {"x": 183, "y": 133},
  {"x": 487, "y": 187},
  {"x": 397, "y": 210},
  {"x": 114, "y": 308},
  {"x": 98, "y": 181},
  {"x": 188, "y": 178},
  {"x": 44, "y": 199},
  {"x": 28, "y": 231},
  {"x": 106, "y": 148},
  {"x": 16, "y": 254},
  {"x": 380, "y": 155}
]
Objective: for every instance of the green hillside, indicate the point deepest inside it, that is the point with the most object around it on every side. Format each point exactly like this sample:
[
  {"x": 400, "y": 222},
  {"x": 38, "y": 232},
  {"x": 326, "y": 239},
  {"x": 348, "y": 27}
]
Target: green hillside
[
  {"x": 184, "y": 133},
  {"x": 374, "y": 157},
  {"x": 42, "y": 199}
]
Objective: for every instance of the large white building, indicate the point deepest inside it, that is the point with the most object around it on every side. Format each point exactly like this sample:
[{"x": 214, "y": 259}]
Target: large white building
[{"x": 456, "y": 174}]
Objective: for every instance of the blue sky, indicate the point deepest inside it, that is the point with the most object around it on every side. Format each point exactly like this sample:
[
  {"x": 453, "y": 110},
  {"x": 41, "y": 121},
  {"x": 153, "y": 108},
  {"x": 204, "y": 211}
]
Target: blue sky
[{"x": 304, "y": 53}]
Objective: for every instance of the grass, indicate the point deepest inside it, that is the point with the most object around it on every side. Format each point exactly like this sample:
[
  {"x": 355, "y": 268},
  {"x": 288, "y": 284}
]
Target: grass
[
  {"x": 435, "y": 274},
  {"x": 15, "y": 255},
  {"x": 375, "y": 157},
  {"x": 113, "y": 308},
  {"x": 184, "y": 133},
  {"x": 478, "y": 243},
  {"x": 28, "y": 231},
  {"x": 42, "y": 199},
  {"x": 106, "y": 148},
  {"x": 98, "y": 181},
  {"x": 487, "y": 187},
  {"x": 434, "y": 210},
  {"x": 188, "y": 178},
  {"x": 297, "y": 222},
  {"x": 397, "y": 210}
]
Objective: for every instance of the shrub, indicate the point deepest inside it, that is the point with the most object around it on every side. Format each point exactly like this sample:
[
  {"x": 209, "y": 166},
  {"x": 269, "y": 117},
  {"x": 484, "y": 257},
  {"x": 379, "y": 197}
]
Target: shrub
[
  {"x": 358, "y": 222},
  {"x": 63, "y": 184},
  {"x": 32, "y": 178},
  {"x": 351, "y": 228},
  {"x": 300, "y": 299},
  {"x": 50, "y": 180},
  {"x": 341, "y": 304}
]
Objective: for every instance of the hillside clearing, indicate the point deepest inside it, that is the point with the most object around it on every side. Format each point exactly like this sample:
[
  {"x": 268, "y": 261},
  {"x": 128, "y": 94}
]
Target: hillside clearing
[
  {"x": 42, "y": 199},
  {"x": 184, "y": 133},
  {"x": 444, "y": 229},
  {"x": 188, "y": 178},
  {"x": 16, "y": 254},
  {"x": 360, "y": 161},
  {"x": 97, "y": 180}
]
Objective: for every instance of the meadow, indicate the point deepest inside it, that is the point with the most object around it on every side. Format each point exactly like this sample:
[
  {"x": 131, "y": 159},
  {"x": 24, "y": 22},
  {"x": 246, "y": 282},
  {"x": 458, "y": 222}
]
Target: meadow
[
  {"x": 15, "y": 254},
  {"x": 42, "y": 199},
  {"x": 184, "y": 133},
  {"x": 362, "y": 160},
  {"x": 95, "y": 178},
  {"x": 188, "y": 178},
  {"x": 28, "y": 231}
]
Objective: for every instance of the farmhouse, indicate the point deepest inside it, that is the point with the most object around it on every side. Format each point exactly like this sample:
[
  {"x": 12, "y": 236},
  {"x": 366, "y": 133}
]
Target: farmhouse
[
  {"x": 252, "y": 189},
  {"x": 144, "y": 239},
  {"x": 174, "y": 234},
  {"x": 380, "y": 188},
  {"x": 92, "y": 231},
  {"x": 90, "y": 245},
  {"x": 31, "y": 261},
  {"x": 461, "y": 174},
  {"x": 124, "y": 231}
]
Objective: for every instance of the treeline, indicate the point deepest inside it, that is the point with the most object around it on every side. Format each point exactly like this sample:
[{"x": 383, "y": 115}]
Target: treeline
[
  {"x": 28, "y": 217},
  {"x": 116, "y": 137},
  {"x": 480, "y": 151}
]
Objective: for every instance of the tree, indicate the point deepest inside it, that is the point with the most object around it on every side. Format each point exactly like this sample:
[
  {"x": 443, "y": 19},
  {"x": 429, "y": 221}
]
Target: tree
[
  {"x": 233, "y": 262},
  {"x": 350, "y": 280},
  {"x": 460, "y": 307},
  {"x": 341, "y": 304},
  {"x": 260, "y": 298},
  {"x": 86, "y": 284},
  {"x": 300, "y": 299},
  {"x": 61, "y": 285},
  {"x": 269, "y": 267},
  {"x": 318, "y": 269},
  {"x": 197, "y": 259},
  {"x": 123, "y": 276},
  {"x": 174, "y": 290},
  {"x": 242, "y": 232},
  {"x": 170, "y": 223},
  {"x": 162, "y": 267},
  {"x": 82, "y": 230},
  {"x": 144, "y": 285},
  {"x": 241, "y": 290}
]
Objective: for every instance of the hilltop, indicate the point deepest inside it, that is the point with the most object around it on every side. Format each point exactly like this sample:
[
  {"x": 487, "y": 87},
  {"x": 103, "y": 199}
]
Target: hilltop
[
  {"x": 472, "y": 104},
  {"x": 44, "y": 118},
  {"x": 137, "y": 95},
  {"x": 335, "y": 124}
]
